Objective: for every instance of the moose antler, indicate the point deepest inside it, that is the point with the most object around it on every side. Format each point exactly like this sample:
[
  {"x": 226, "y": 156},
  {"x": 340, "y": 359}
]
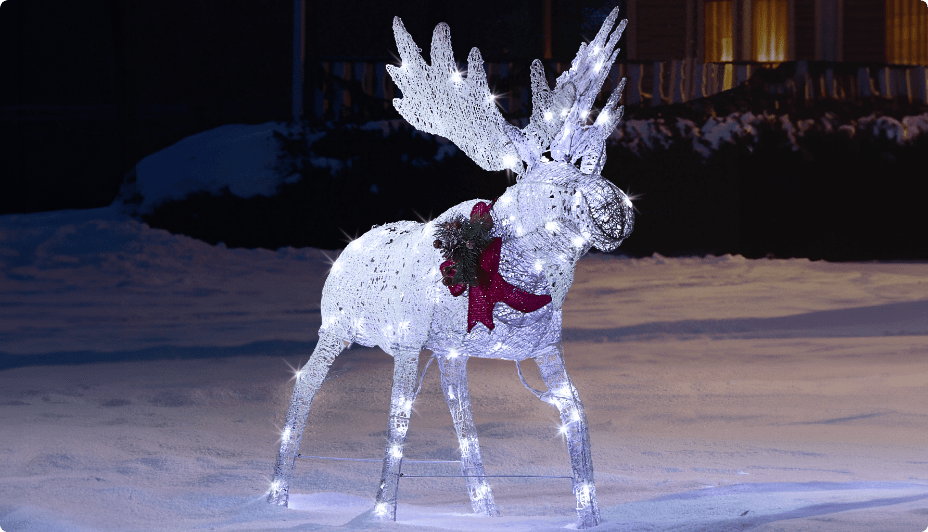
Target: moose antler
[{"x": 438, "y": 99}]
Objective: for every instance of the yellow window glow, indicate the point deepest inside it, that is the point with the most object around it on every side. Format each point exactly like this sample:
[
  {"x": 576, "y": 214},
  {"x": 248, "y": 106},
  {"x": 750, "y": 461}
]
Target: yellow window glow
[
  {"x": 718, "y": 31},
  {"x": 770, "y": 32},
  {"x": 906, "y": 32}
]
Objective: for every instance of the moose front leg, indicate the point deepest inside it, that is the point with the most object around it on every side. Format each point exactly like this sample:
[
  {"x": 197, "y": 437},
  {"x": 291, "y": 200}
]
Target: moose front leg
[
  {"x": 308, "y": 381},
  {"x": 405, "y": 371},
  {"x": 454, "y": 384},
  {"x": 562, "y": 394}
]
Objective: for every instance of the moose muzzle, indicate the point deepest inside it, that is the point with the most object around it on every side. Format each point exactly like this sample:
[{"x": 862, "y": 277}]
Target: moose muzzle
[{"x": 612, "y": 212}]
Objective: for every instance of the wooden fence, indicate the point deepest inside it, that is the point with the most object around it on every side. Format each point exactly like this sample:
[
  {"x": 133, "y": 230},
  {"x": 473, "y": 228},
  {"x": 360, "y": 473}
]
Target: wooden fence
[{"x": 360, "y": 90}]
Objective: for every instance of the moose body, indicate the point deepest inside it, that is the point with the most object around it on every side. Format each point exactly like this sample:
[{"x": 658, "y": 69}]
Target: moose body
[{"x": 385, "y": 289}]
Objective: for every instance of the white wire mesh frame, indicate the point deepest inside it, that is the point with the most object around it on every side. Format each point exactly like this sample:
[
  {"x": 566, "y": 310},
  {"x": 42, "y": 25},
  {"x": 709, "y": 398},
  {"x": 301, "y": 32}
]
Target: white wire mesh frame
[{"x": 385, "y": 288}]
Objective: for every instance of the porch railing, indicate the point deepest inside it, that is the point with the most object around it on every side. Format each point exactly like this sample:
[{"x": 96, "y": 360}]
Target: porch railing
[{"x": 363, "y": 90}]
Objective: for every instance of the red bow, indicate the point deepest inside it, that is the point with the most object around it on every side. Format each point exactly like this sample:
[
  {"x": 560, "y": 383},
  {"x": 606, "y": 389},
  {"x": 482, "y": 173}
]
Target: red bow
[{"x": 491, "y": 287}]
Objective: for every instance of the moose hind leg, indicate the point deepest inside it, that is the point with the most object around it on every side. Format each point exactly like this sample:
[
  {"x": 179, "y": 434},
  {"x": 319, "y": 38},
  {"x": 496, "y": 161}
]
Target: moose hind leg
[
  {"x": 308, "y": 381},
  {"x": 562, "y": 394},
  {"x": 454, "y": 385},
  {"x": 405, "y": 371}
]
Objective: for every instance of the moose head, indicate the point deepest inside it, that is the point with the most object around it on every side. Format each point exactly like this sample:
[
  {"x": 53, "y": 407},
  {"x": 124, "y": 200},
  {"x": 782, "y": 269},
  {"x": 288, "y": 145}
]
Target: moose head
[{"x": 398, "y": 286}]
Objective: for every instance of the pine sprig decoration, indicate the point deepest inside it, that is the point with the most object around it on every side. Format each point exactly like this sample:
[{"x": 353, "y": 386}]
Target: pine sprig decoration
[{"x": 462, "y": 241}]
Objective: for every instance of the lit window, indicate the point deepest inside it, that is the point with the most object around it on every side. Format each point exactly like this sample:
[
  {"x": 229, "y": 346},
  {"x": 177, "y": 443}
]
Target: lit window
[
  {"x": 906, "y": 32},
  {"x": 770, "y": 32},
  {"x": 718, "y": 29}
]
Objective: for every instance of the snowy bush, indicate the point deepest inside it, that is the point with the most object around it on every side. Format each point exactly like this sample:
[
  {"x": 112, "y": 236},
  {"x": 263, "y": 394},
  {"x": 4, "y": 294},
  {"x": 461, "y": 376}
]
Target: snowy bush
[
  {"x": 914, "y": 127},
  {"x": 881, "y": 128},
  {"x": 323, "y": 183},
  {"x": 240, "y": 159},
  {"x": 642, "y": 137}
]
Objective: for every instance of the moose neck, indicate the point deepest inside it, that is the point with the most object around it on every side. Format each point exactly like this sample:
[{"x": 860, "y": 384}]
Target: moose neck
[{"x": 545, "y": 225}]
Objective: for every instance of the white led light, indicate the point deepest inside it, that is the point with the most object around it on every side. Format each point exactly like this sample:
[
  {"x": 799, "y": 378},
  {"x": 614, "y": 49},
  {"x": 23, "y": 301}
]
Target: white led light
[
  {"x": 396, "y": 452},
  {"x": 456, "y": 77},
  {"x": 548, "y": 115},
  {"x": 578, "y": 241},
  {"x": 584, "y": 495},
  {"x": 539, "y": 264},
  {"x": 552, "y": 226},
  {"x": 453, "y": 353},
  {"x": 482, "y": 490},
  {"x": 509, "y": 161}
]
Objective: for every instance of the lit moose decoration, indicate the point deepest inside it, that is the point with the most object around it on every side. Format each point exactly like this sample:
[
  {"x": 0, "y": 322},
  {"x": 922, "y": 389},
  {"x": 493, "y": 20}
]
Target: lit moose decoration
[{"x": 398, "y": 286}]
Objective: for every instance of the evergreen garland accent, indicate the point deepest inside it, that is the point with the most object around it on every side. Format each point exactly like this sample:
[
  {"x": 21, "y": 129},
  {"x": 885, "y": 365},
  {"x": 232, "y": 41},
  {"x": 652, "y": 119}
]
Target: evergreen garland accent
[{"x": 462, "y": 241}]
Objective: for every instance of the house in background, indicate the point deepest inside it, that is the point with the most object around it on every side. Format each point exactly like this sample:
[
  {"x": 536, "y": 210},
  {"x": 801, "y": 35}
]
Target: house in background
[
  {"x": 678, "y": 50},
  {"x": 722, "y": 41},
  {"x": 890, "y": 31}
]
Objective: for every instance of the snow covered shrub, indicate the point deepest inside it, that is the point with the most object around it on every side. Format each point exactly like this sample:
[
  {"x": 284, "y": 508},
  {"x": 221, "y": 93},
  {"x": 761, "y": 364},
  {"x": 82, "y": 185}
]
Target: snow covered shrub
[
  {"x": 881, "y": 128},
  {"x": 335, "y": 180},
  {"x": 642, "y": 137},
  {"x": 915, "y": 127},
  {"x": 879, "y": 137},
  {"x": 715, "y": 132}
]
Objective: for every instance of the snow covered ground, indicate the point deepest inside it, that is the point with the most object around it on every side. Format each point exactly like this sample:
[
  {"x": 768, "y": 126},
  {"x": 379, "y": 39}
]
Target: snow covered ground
[{"x": 144, "y": 377}]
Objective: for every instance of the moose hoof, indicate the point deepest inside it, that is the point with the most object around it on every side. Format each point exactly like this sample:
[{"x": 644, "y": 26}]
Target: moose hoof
[
  {"x": 382, "y": 511},
  {"x": 277, "y": 495},
  {"x": 588, "y": 521},
  {"x": 488, "y": 510}
]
